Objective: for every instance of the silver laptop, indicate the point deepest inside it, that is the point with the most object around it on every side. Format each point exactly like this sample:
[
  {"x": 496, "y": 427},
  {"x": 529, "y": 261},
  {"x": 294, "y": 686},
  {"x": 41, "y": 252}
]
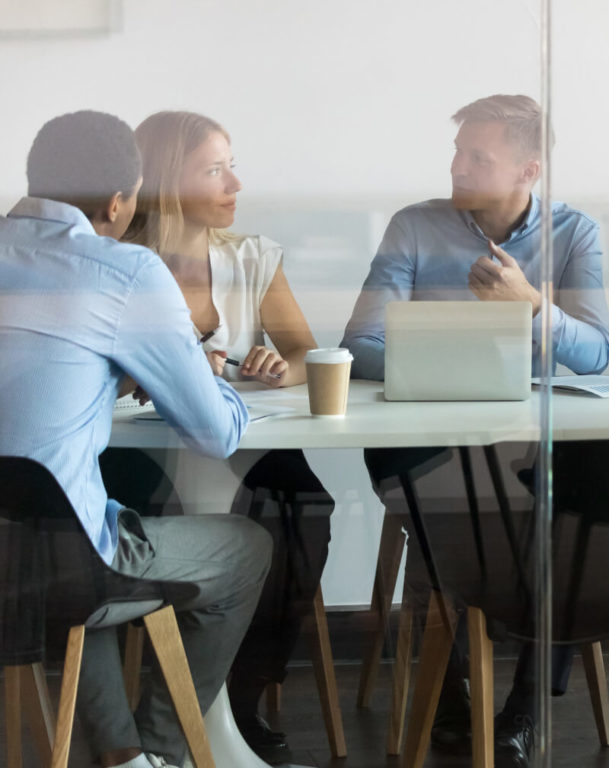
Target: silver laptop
[{"x": 458, "y": 350}]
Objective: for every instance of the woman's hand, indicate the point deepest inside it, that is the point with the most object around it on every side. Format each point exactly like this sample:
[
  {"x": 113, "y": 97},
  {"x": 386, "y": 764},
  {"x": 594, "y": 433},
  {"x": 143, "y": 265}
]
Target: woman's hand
[
  {"x": 217, "y": 360},
  {"x": 266, "y": 365}
]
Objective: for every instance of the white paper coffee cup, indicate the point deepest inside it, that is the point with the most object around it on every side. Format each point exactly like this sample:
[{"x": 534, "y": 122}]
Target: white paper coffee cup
[{"x": 328, "y": 371}]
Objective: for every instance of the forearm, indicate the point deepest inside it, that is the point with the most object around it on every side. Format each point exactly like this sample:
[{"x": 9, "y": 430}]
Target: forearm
[
  {"x": 368, "y": 357},
  {"x": 128, "y": 385},
  {"x": 578, "y": 345},
  {"x": 157, "y": 348},
  {"x": 297, "y": 372}
]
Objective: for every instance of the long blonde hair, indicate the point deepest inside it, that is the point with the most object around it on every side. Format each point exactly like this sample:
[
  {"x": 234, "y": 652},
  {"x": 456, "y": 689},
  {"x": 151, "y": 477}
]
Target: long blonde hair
[{"x": 164, "y": 140}]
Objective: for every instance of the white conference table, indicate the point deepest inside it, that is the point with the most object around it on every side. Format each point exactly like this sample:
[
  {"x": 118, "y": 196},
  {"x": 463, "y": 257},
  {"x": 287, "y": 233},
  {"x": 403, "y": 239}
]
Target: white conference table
[{"x": 373, "y": 423}]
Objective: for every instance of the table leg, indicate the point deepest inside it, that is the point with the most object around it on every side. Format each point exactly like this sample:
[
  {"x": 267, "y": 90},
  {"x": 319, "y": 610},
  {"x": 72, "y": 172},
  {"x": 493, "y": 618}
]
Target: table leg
[{"x": 228, "y": 747}]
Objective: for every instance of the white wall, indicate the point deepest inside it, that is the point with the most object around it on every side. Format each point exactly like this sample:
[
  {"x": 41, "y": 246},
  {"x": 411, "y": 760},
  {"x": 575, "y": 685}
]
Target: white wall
[
  {"x": 338, "y": 98},
  {"x": 340, "y": 113},
  {"x": 334, "y": 99}
]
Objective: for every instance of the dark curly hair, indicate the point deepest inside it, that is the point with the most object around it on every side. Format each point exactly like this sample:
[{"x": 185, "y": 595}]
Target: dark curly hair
[{"x": 83, "y": 158}]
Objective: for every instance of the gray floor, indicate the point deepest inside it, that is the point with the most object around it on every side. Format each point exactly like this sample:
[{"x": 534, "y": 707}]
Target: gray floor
[{"x": 575, "y": 743}]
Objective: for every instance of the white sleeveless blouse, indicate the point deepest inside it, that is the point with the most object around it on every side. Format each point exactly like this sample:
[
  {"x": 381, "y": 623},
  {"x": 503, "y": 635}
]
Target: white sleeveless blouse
[{"x": 241, "y": 271}]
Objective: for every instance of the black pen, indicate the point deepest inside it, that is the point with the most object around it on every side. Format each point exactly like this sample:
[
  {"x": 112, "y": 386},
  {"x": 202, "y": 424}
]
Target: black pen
[{"x": 232, "y": 361}]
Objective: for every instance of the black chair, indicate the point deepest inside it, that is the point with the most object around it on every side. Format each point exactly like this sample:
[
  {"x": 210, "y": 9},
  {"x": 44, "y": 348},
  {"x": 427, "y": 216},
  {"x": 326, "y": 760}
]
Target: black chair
[
  {"x": 498, "y": 594},
  {"x": 53, "y": 580},
  {"x": 391, "y": 548}
]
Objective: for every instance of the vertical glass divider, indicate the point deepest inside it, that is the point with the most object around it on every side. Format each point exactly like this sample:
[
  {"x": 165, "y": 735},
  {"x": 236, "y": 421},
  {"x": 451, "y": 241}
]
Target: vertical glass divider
[{"x": 544, "y": 501}]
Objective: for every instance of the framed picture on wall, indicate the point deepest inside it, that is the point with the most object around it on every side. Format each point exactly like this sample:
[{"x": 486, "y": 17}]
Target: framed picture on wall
[{"x": 59, "y": 18}]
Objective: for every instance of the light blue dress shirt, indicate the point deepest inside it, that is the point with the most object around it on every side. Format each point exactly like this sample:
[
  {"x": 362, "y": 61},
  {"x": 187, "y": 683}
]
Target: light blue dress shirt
[
  {"x": 427, "y": 252},
  {"x": 77, "y": 313}
]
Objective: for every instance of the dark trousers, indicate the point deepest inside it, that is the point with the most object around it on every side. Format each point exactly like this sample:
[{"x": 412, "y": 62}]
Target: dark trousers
[{"x": 282, "y": 494}]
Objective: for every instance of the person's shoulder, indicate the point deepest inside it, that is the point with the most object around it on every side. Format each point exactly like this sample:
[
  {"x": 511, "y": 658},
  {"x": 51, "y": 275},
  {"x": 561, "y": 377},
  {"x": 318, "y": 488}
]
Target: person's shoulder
[
  {"x": 126, "y": 259},
  {"x": 424, "y": 210},
  {"x": 564, "y": 214}
]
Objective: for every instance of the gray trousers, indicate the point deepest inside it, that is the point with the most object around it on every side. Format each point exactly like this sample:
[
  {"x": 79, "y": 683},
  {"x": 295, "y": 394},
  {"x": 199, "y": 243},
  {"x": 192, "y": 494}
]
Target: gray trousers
[{"x": 227, "y": 559}]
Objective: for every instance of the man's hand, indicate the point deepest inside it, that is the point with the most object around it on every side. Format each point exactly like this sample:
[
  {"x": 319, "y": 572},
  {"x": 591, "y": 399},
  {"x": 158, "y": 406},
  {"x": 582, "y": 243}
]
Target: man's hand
[
  {"x": 140, "y": 395},
  {"x": 266, "y": 365},
  {"x": 504, "y": 281}
]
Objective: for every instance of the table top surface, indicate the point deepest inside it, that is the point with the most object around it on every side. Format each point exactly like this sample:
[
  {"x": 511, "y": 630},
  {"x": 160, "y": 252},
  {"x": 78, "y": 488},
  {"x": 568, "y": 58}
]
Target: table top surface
[{"x": 373, "y": 422}]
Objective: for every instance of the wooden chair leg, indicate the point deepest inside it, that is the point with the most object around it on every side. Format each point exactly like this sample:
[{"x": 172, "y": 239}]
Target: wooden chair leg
[
  {"x": 165, "y": 637},
  {"x": 435, "y": 651},
  {"x": 481, "y": 682},
  {"x": 12, "y": 716},
  {"x": 401, "y": 680},
  {"x": 323, "y": 665},
  {"x": 273, "y": 697},
  {"x": 39, "y": 710},
  {"x": 67, "y": 699},
  {"x": 594, "y": 666},
  {"x": 132, "y": 664},
  {"x": 387, "y": 566}
]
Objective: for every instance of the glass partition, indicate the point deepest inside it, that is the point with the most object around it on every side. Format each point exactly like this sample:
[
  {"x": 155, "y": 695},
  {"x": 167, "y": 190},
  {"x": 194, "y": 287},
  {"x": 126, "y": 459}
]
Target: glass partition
[{"x": 361, "y": 169}]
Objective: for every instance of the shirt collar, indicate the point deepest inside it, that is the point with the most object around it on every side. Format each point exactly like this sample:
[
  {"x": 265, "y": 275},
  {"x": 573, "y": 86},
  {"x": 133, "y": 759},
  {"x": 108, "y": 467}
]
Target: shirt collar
[
  {"x": 52, "y": 210},
  {"x": 531, "y": 217}
]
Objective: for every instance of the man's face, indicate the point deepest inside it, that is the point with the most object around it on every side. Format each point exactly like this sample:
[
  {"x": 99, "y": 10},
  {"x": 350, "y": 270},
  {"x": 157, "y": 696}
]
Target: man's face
[{"x": 486, "y": 169}]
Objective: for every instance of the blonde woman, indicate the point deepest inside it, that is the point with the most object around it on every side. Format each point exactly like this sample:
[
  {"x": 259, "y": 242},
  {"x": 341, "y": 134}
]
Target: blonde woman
[{"x": 235, "y": 287}]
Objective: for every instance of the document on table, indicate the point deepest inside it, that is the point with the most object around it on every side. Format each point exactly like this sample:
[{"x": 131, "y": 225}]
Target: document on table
[
  {"x": 589, "y": 384},
  {"x": 127, "y": 406},
  {"x": 257, "y": 401}
]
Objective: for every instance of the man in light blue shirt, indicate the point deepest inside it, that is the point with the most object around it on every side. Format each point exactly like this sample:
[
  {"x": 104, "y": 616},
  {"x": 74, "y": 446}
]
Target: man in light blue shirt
[
  {"x": 79, "y": 313},
  {"x": 484, "y": 244},
  {"x": 438, "y": 250}
]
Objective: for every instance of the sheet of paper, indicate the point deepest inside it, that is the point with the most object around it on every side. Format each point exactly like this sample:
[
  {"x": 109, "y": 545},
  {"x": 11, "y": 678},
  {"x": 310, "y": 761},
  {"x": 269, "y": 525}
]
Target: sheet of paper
[
  {"x": 588, "y": 384},
  {"x": 256, "y": 412},
  {"x": 127, "y": 406},
  {"x": 261, "y": 403}
]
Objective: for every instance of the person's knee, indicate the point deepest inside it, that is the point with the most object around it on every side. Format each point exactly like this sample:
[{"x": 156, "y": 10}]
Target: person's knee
[{"x": 257, "y": 545}]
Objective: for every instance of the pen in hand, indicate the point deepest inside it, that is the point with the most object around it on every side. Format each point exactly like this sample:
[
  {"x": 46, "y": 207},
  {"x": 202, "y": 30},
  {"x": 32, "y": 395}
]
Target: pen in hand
[{"x": 232, "y": 361}]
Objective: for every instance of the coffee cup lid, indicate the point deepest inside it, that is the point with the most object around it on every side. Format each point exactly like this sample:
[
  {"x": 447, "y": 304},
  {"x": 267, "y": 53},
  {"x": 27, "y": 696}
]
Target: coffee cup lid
[{"x": 328, "y": 355}]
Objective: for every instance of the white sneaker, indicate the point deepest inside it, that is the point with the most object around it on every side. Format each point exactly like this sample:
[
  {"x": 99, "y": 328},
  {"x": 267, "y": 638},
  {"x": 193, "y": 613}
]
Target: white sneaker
[{"x": 158, "y": 762}]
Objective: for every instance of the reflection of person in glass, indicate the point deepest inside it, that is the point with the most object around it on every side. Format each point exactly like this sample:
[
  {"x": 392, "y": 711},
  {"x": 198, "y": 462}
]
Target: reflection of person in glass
[
  {"x": 484, "y": 243},
  {"x": 235, "y": 286}
]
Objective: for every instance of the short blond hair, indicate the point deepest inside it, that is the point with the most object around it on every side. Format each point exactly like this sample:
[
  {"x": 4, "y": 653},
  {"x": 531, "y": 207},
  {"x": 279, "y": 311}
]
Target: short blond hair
[
  {"x": 164, "y": 140},
  {"x": 521, "y": 115}
]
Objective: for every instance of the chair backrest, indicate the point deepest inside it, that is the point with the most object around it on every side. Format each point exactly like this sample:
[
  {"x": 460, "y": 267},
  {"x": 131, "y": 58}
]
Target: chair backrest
[
  {"x": 495, "y": 567},
  {"x": 49, "y": 570},
  {"x": 30, "y": 498}
]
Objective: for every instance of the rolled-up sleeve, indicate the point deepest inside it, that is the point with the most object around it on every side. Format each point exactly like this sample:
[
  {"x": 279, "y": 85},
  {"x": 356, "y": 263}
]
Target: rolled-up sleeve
[{"x": 580, "y": 318}]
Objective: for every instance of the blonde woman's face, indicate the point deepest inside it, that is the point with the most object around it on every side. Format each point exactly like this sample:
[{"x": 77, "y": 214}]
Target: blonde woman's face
[{"x": 208, "y": 186}]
